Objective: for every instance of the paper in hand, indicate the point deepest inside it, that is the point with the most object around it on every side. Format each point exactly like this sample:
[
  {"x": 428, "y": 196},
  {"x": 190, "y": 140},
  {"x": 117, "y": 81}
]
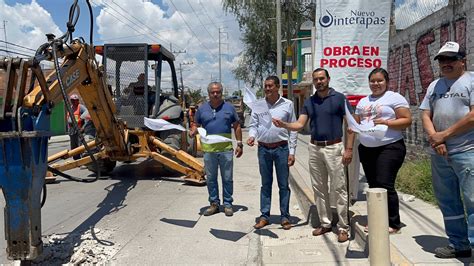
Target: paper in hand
[
  {"x": 161, "y": 125},
  {"x": 249, "y": 96},
  {"x": 211, "y": 139},
  {"x": 376, "y": 131}
]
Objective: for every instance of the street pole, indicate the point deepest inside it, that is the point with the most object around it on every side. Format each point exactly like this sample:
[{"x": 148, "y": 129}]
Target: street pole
[
  {"x": 182, "y": 86},
  {"x": 279, "y": 63},
  {"x": 289, "y": 52},
  {"x": 181, "y": 78},
  {"x": 220, "y": 73}
]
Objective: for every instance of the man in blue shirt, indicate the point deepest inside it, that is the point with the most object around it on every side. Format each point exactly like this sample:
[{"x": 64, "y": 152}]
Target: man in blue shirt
[
  {"x": 217, "y": 118},
  {"x": 273, "y": 149},
  {"x": 327, "y": 154}
]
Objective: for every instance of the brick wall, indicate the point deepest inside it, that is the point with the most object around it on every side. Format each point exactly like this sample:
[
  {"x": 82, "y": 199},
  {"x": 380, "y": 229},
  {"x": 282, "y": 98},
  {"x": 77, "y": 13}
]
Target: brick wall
[{"x": 411, "y": 65}]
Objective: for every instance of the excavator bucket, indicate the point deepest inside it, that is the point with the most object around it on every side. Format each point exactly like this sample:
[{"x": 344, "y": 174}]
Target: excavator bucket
[{"x": 24, "y": 135}]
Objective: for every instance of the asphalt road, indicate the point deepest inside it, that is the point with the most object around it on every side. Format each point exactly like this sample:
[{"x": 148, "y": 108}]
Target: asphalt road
[{"x": 138, "y": 215}]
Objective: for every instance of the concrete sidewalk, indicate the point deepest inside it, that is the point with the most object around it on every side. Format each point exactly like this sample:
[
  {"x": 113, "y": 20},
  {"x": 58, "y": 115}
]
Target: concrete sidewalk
[{"x": 424, "y": 230}]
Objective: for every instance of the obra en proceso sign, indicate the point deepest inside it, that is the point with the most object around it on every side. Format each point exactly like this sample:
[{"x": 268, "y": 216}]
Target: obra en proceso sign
[{"x": 351, "y": 40}]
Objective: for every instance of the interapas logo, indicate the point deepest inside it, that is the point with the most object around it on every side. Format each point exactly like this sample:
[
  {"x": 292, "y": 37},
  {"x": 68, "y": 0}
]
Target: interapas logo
[{"x": 356, "y": 17}]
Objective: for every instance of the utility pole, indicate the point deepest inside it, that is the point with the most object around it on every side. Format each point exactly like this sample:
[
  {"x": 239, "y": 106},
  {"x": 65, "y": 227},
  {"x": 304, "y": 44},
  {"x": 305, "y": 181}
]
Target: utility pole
[
  {"x": 181, "y": 78},
  {"x": 5, "y": 35},
  {"x": 289, "y": 52},
  {"x": 176, "y": 52},
  {"x": 181, "y": 73},
  {"x": 279, "y": 63},
  {"x": 220, "y": 54},
  {"x": 220, "y": 73}
]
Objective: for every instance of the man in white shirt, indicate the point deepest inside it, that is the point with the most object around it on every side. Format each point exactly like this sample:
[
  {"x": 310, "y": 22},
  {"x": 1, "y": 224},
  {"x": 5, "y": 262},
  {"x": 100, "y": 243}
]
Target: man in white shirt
[{"x": 276, "y": 146}]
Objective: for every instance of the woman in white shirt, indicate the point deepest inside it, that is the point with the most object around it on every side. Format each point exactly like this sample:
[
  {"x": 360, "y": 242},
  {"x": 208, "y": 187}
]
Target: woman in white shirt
[{"x": 382, "y": 158}]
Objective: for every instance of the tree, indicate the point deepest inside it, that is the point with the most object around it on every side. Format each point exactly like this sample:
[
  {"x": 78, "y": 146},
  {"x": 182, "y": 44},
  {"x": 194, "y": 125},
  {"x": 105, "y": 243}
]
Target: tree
[
  {"x": 257, "y": 23},
  {"x": 237, "y": 93},
  {"x": 196, "y": 96}
]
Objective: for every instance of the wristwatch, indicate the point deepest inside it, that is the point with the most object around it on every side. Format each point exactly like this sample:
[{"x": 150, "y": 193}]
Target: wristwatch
[{"x": 240, "y": 144}]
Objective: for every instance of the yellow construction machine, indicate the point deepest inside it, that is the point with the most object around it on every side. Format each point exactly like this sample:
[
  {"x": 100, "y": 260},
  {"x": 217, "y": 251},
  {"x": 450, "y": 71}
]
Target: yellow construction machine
[{"x": 117, "y": 115}]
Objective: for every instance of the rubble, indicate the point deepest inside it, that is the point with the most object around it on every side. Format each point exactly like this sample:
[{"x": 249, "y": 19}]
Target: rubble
[{"x": 90, "y": 247}]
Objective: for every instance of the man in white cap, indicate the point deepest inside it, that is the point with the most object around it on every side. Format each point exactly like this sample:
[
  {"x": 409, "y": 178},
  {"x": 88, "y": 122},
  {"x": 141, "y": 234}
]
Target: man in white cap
[
  {"x": 448, "y": 119},
  {"x": 78, "y": 111}
]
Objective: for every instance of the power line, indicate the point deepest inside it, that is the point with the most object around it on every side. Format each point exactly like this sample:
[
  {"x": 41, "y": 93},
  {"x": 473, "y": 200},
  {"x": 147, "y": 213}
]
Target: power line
[
  {"x": 139, "y": 27},
  {"x": 141, "y": 22},
  {"x": 202, "y": 24},
  {"x": 17, "y": 45},
  {"x": 195, "y": 35},
  {"x": 207, "y": 14},
  {"x": 162, "y": 31},
  {"x": 12, "y": 52}
]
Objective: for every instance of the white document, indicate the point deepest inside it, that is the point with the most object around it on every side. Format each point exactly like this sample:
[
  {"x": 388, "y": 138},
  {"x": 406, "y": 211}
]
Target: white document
[
  {"x": 161, "y": 125},
  {"x": 249, "y": 96},
  {"x": 211, "y": 139},
  {"x": 376, "y": 131},
  {"x": 260, "y": 108}
]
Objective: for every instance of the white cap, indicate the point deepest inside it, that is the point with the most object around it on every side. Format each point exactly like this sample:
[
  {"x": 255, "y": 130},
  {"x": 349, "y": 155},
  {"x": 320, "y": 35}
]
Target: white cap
[
  {"x": 451, "y": 49},
  {"x": 74, "y": 97}
]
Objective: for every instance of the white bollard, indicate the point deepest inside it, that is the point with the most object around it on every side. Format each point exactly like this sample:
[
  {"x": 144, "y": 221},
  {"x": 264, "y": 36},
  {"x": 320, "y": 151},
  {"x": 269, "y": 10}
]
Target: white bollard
[{"x": 379, "y": 243}]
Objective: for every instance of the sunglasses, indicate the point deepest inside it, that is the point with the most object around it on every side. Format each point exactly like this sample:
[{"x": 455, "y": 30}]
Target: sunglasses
[{"x": 448, "y": 59}]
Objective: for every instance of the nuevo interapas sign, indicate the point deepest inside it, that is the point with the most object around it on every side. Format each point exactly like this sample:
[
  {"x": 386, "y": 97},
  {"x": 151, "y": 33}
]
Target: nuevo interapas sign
[{"x": 351, "y": 40}]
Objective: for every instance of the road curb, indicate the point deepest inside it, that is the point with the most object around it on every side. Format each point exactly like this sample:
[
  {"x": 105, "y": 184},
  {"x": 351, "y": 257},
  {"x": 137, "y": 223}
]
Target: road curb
[{"x": 59, "y": 139}]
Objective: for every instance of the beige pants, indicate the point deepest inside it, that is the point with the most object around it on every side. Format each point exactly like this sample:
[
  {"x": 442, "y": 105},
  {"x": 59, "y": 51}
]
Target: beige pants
[{"x": 326, "y": 169}]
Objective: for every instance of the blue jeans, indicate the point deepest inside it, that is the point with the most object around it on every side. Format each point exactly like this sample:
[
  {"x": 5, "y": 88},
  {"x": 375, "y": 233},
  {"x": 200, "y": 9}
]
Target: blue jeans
[
  {"x": 453, "y": 177},
  {"x": 266, "y": 158},
  {"x": 224, "y": 161}
]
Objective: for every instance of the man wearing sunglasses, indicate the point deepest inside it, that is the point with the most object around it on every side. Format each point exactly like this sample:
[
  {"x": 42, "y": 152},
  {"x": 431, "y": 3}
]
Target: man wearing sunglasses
[
  {"x": 448, "y": 119},
  {"x": 218, "y": 118}
]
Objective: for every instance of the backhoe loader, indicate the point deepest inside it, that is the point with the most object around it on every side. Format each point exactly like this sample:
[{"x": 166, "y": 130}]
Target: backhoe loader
[{"x": 117, "y": 109}]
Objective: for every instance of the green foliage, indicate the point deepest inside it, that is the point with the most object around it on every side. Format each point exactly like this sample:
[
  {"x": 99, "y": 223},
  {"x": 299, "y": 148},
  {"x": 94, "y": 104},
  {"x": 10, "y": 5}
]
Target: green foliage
[
  {"x": 415, "y": 178},
  {"x": 257, "y": 23},
  {"x": 196, "y": 96}
]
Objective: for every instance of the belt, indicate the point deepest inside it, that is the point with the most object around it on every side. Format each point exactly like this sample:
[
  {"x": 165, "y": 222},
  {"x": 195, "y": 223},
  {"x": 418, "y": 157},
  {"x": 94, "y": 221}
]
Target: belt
[
  {"x": 273, "y": 145},
  {"x": 325, "y": 143}
]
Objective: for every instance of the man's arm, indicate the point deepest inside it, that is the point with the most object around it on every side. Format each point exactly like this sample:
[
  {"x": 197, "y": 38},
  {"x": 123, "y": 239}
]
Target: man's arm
[
  {"x": 347, "y": 156},
  {"x": 294, "y": 126},
  {"x": 195, "y": 124},
  {"x": 238, "y": 136},
  {"x": 293, "y": 138},
  {"x": 464, "y": 124},
  {"x": 252, "y": 129},
  {"x": 430, "y": 130}
]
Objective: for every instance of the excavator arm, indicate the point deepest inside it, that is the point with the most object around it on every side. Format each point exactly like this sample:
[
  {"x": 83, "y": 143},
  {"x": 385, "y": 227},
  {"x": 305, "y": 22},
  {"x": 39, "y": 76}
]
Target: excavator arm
[
  {"x": 79, "y": 71},
  {"x": 25, "y": 130}
]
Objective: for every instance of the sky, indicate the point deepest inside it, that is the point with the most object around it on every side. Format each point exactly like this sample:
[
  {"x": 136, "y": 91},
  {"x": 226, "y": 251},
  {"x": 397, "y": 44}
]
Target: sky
[
  {"x": 409, "y": 11},
  {"x": 180, "y": 25}
]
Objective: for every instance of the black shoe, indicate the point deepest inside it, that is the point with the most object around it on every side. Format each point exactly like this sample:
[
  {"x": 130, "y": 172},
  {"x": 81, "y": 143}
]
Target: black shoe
[
  {"x": 213, "y": 209},
  {"x": 449, "y": 252}
]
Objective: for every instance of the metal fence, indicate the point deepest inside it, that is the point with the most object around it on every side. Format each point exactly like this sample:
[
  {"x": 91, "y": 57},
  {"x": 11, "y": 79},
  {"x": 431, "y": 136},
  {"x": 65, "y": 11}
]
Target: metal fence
[{"x": 128, "y": 77}]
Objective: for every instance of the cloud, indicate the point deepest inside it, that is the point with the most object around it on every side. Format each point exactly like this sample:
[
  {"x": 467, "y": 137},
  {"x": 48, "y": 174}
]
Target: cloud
[
  {"x": 23, "y": 28},
  {"x": 412, "y": 11},
  {"x": 191, "y": 25}
]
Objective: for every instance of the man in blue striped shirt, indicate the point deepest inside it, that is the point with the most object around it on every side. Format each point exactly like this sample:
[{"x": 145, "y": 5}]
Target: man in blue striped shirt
[{"x": 276, "y": 146}]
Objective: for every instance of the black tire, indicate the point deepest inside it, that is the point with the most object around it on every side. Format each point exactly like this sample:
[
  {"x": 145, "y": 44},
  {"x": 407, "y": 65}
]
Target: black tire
[{"x": 105, "y": 166}]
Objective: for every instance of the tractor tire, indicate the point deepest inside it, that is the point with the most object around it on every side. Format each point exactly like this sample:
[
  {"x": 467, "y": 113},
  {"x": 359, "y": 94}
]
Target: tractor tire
[{"x": 105, "y": 166}]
